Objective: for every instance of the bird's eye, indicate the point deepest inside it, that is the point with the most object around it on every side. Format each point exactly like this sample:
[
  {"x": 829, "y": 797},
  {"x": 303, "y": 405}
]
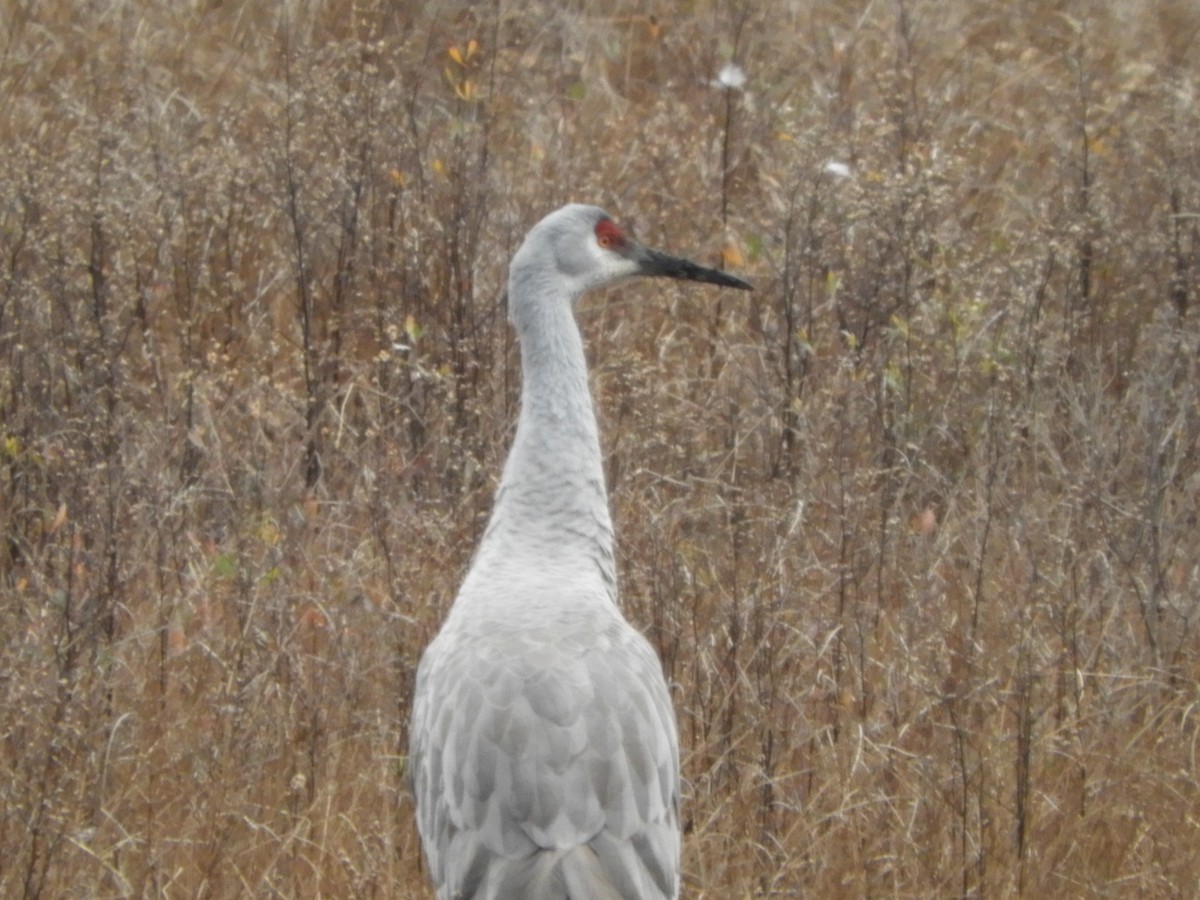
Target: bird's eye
[{"x": 609, "y": 235}]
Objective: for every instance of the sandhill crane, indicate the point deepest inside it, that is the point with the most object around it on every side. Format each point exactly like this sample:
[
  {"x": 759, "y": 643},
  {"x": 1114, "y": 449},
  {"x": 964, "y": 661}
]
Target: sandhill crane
[{"x": 543, "y": 753}]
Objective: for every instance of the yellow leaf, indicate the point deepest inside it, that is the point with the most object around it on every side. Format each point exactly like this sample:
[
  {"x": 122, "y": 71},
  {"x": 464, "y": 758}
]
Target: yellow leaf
[
  {"x": 268, "y": 531},
  {"x": 456, "y": 55},
  {"x": 472, "y": 47},
  {"x": 59, "y": 519},
  {"x": 731, "y": 255}
]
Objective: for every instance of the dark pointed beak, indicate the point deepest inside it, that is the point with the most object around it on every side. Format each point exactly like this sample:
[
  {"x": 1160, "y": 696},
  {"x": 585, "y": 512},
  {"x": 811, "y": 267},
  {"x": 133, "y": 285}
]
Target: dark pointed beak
[{"x": 654, "y": 264}]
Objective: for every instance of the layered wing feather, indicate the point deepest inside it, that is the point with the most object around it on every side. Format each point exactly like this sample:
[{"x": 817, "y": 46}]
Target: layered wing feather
[{"x": 542, "y": 752}]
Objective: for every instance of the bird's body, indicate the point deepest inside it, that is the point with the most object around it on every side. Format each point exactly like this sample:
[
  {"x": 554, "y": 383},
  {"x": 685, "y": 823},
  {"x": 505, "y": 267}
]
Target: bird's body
[{"x": 543, "y": 749}]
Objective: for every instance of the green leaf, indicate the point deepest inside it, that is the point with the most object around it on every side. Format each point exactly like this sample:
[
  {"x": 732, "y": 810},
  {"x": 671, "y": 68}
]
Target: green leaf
[{"x": 225, "y": 566}]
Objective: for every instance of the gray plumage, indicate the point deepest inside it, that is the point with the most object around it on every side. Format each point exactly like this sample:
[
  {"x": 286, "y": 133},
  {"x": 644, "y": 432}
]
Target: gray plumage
[{"x": 543, "y": 752}]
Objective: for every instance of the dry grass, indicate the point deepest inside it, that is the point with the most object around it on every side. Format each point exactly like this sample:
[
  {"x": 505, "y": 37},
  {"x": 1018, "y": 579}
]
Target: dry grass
[{"x": 914, "y": 527}]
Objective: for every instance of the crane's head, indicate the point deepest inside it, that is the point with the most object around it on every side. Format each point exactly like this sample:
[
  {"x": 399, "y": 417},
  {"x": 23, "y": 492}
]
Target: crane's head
[{"x": 579, "y": 248}]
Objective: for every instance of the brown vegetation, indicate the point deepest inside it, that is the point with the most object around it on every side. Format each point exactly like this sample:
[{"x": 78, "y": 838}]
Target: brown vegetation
[{"x": 914, "y": 527}]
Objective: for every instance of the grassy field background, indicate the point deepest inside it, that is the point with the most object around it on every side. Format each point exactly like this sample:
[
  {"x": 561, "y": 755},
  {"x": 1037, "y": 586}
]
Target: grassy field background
[{"x": 913, "y": 527}]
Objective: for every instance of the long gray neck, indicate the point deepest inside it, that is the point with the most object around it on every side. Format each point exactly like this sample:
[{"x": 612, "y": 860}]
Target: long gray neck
[{"x": 552, "y": 507}]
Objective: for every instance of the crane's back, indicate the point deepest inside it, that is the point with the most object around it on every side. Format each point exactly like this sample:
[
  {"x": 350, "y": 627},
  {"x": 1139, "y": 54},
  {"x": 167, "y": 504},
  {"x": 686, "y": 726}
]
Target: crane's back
[{"x": 545, "y": 759}]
